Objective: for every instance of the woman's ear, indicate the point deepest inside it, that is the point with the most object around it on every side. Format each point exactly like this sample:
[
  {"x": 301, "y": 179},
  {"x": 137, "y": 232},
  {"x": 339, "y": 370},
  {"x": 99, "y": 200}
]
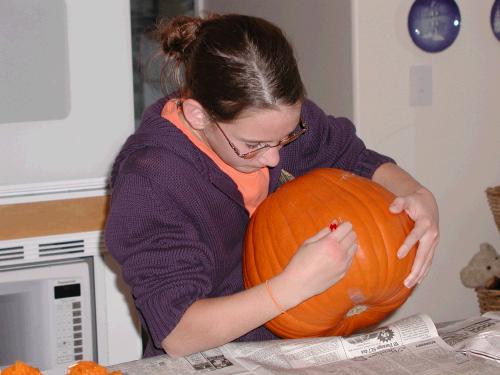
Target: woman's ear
[{"x": 195, "y": 114}]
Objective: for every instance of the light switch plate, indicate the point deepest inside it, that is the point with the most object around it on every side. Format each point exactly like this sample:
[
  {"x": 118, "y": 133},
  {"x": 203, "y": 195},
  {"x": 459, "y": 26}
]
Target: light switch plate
[{"x": 420, "y": 85}]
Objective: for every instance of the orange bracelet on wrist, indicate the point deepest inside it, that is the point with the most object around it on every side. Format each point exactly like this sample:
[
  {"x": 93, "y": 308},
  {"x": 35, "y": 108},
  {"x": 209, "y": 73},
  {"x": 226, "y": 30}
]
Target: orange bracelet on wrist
[{"x": 269, "y": 291}]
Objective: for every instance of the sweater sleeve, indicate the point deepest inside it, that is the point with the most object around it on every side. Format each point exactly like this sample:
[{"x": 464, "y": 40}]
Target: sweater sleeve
[
  {"x": 163, "y": 260},
  {"x": 331, "y": 142}
]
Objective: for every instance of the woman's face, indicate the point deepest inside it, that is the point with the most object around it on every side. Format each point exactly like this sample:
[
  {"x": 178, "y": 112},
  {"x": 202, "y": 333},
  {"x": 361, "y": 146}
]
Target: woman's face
[{"x": 251, "y": 130}]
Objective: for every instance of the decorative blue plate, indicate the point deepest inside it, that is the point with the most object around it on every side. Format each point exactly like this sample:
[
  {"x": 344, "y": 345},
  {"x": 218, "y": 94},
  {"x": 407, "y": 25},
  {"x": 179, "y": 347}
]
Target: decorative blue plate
[
  {"x": 434, "y": 24},
  {"x": 495, "y": 19}
]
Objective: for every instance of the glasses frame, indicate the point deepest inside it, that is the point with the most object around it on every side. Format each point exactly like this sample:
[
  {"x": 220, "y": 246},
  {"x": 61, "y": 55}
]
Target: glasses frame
[
  {"x": 283, "y": 142},
  {"x": 304, "y": 127}
]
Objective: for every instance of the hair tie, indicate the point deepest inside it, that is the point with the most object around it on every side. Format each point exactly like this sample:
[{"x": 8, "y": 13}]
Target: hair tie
[{"x": 278, "y": 305}]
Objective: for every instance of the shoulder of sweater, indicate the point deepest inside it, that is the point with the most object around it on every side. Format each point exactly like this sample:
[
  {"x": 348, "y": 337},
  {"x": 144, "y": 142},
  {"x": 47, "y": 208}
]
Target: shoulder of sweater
[
  {"x": 160, "y": 163},
  {"x": 157, "y": 144},
  {"x": 315, "y": 115}
]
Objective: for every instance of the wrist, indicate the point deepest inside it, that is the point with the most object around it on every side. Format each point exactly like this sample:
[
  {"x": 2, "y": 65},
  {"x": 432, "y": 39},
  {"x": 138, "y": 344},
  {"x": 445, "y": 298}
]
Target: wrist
[{"x": 284, "y": 291}]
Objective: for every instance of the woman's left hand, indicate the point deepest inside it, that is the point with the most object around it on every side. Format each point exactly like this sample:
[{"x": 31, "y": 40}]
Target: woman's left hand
[{"x": 422, "y": 209}]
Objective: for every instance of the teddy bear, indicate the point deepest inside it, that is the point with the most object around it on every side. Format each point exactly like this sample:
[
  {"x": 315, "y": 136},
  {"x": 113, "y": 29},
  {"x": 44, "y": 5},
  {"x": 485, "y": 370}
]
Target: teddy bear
[{"x": 483, "y": 269}]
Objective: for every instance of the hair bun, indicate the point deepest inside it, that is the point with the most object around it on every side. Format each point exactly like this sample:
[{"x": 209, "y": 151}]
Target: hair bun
[{"x": 177, "y": 35}]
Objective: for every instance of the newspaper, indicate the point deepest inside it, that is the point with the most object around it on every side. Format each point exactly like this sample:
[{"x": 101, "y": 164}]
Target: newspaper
[
  {"x": 479, "y": 336},
  {"x": 409, "y": 346}
]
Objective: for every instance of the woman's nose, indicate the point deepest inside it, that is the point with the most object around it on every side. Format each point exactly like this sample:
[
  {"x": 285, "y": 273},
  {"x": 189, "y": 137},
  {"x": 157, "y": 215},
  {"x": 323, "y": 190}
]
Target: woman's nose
[{"x": 271, "y": 156}]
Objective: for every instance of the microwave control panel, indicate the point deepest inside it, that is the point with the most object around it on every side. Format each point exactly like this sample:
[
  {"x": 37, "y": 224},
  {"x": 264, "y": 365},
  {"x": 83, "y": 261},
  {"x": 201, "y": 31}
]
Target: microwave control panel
[{"x": 68, "y": 322}]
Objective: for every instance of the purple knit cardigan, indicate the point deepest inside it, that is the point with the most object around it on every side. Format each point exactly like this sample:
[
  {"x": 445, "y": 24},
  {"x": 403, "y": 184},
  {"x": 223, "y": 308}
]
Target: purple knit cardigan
[{"x": 176, "y": 221}]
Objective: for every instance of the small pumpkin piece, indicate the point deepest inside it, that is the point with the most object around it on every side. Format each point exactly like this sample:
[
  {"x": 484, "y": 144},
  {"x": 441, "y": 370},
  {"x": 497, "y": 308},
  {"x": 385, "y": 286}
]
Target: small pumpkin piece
[
  {"x": 20, "y": 368},
  {"x": 89, "y": 368}
]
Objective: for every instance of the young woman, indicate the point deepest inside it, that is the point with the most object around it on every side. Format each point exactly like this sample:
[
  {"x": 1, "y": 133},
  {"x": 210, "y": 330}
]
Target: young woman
[{"x": 186, "y": 183}]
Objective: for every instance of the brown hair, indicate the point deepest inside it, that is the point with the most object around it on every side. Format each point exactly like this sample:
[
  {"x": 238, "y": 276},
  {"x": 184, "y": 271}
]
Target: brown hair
[{"x": 231, "y": 63}]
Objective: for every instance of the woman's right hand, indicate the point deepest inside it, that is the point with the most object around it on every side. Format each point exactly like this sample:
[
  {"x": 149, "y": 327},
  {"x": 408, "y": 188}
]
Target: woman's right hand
[{"x": 321, "y": 261}]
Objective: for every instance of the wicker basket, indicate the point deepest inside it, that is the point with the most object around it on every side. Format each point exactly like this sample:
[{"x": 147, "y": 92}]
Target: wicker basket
[
  {"x": 488, "y": 299},
  {"x": 493, "y": 195}
]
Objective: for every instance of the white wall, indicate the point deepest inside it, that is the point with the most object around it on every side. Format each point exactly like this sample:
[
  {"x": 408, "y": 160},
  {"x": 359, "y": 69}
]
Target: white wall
[
  {"x": 452, "y": 146},
  {"x": 83, "y": 144}
]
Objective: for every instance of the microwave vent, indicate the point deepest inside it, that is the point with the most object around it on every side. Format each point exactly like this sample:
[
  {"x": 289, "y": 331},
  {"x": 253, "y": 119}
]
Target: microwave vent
[
  {"x": 56, "y": 247},
  {"x": 59, "y": 248},
  {"x": 11, "y": 253}
]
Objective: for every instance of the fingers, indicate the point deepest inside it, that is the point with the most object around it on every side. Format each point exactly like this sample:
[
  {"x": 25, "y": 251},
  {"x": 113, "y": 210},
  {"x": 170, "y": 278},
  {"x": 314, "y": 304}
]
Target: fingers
[
  {"x": 322, "y": 233},
  {"x": 352, "y": 250},
  {"x": 410, "y": 241},
  {"x": 420, "y": 231},
  {"x": 344, "y": 239},
  {"x": 398, "y": 205},
  {"x": 427, "y": 264},
  {"x": 422, "y": 262},
  {"x": 348, "y": 244},
  {"x": 343, "y": 230},
  {"x": 323, "y": 259},
  {"x": 422, "y": 209},
  {"x": 338, "y": 233}
]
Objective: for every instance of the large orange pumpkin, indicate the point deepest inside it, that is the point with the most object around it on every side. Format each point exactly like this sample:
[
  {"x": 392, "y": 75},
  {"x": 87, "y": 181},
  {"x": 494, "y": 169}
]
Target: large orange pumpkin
[{"x": 373, "y": 286}]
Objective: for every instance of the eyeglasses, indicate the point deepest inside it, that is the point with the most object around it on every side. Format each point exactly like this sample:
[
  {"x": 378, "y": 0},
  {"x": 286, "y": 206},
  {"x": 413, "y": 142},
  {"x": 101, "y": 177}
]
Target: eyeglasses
[{"x": 251, "y": 154}]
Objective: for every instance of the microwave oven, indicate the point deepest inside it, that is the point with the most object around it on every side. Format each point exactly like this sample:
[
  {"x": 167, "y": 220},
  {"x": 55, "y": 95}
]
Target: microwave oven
[{"x": 48, "y": 314}]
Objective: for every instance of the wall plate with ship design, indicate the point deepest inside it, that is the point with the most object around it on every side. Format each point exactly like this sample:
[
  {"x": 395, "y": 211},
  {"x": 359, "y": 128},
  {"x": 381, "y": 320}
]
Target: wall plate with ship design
[{"x": 434, "y": 24}]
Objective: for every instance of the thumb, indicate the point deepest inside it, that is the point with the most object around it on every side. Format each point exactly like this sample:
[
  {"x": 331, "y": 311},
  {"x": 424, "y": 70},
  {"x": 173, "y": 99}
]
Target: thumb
[{"x": 397, "y": 205}]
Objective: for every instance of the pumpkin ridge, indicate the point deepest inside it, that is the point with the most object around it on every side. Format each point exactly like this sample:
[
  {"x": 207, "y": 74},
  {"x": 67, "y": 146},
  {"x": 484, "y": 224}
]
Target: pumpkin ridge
[
  {"x": 343, "y": 185},
  {"x": 277, "y": 262},
  {"x": 399, "y": 273},
  {"x": 300, "y": 310},
  {"x": 381, "y": 211},
  {"x": 375, "y": 241},
  {"x": 248, "y": 261},
  {"x": 339, "y": 203},
  {"x": 388, "y": 239},
  {"x": 315, "y": 303},
  {"x": 347, "y": 190},
  {"x": 276, "y": 205},
  {"x": 273, "y": 239}
]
